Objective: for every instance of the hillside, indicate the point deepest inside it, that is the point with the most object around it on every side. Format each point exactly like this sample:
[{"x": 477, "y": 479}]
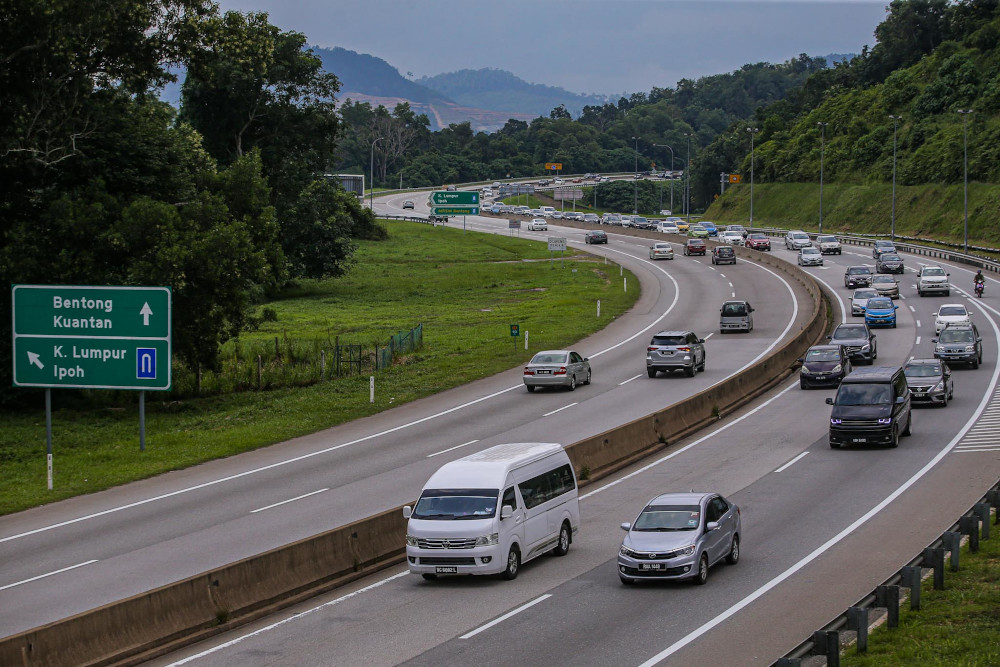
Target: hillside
[
  {"x": 500, "y": 90},
  {"x": 363, "y": 73}
]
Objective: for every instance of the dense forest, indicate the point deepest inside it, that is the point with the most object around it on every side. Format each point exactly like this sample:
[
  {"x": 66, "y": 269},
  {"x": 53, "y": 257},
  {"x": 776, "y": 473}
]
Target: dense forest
[{"x": 104, "y": 184}]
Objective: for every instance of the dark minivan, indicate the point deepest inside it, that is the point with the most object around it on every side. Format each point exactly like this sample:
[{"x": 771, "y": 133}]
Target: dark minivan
[{"x": 872, "y": 407}]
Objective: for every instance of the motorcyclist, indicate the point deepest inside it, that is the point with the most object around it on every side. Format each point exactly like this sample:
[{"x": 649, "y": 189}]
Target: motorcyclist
[{"x": 978, "y": 281}]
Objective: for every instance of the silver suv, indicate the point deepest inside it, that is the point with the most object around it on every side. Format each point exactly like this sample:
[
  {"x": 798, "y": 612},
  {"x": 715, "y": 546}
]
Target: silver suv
[
  {"x": 828, "y": 244},
  {"x": 675, "y": 351},
  {"x": 933, "y": 280}
]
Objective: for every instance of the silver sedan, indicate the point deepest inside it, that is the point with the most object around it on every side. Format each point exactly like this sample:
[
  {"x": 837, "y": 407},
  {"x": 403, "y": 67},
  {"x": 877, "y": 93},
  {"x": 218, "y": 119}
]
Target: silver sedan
[
  {"x": 556, "y": 368},
  {"x": 661, "y": 251}
]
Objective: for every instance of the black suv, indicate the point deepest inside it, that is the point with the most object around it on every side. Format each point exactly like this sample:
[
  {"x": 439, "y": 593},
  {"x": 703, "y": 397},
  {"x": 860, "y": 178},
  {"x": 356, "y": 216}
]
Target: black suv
[
  {"x": 858, "y": 341},
  {"x": 959, "y": 343},
  {"x": 857, "y": 276},
  {"x": 872, "y": 407}
]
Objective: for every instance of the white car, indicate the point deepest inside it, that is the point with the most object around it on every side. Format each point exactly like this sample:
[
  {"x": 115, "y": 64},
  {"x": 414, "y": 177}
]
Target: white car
[
  {"x": 538, "y": 224},
  {"x": 797, "y": 240},
  {"x": 661, "y": 251},
  {"x": 931, "y": 280},
  {"x": 951, "y": 313},
  {"x": 731, "y": 237},
  {"x": 810, "y": 257},
  {"x": 668, "y": 228},
  {"x": 828, "y": 244},
  {"x": 736, "y": 228}
]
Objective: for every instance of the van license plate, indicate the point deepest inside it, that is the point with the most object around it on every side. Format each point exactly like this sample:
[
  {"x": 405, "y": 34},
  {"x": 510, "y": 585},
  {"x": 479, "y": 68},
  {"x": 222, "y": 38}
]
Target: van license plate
[
  {"x": 652, "y": 566},
  {"x": 860, "y": 440},
  {"x": 446, "y": 569}
]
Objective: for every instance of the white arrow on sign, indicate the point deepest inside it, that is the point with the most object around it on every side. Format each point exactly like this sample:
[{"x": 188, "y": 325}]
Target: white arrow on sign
[
  {"x": 145, "y": 312},
  {"x": 33, "y": 359}
]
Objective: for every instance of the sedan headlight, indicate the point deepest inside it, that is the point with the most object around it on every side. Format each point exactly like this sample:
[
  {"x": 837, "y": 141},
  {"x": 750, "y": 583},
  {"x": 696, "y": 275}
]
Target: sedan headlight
[
  {"x": 625, "y": 551},
  {"x": 411, "y": 541},
  {"x": 685, "y": 551},
  {"x": 938, "y": 387},
  {"x": 837, "y": 368},
  {"x": 488, "y": 540}
]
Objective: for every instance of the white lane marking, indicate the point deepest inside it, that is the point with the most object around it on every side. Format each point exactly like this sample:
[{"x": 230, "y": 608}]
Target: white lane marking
[
  {"x": 630, "y": 379},
  {"x": 49, "y": 574},
  {"x": 912, "y": 309},
  {"x": 503, "y": 618},
  {"x": 792, "y": 462},
  {"x": 691, "y": 445},
  {"x": 560, "y": 409},
  {"x": 259, "y": 631},
  {"x": 709, "y": 335},
  {"x": 833, "y": 541},
  {"x": 733, "y": 295},
  {"x": 470, "y": 442},
  {"x": 724, "y": 275},
  {"x": 290, "y": 500},
  {"x": 730, "y": 284},
  {"x": 918, "y": 324},
  {"x": 918, "y": 340},
  {"x": 977, "y": 448}
]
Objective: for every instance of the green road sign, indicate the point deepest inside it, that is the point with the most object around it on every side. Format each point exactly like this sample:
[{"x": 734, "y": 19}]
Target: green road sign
[
  {"x": 515, "y": 330},
  {"x": 92, "y": 337},
  {"x": 454, "y": 198},
  {"x": 455, "y": 210}
]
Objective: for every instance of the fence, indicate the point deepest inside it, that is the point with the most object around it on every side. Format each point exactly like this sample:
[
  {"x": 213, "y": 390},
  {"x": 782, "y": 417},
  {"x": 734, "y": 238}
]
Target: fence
[{"x": 286, "y": 362}]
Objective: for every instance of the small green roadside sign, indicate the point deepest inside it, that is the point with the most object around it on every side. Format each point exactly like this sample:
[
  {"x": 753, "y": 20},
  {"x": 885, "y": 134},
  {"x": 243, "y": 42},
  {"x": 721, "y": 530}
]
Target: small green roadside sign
[
  {"x": 455, "y": 210},
  {"x": 515, "y": 330},
  {"x": 90, "y": 337}
]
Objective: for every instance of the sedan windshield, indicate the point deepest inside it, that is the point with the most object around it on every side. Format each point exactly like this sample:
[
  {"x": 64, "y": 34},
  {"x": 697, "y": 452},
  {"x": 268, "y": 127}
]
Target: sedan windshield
[
  {"x": 864, "y": 394},
  {"x": 810, "y": 251},
  {"x": 456, "y": 504},
  {"x": 952, "y": 310},
  {"x": 668, "y": 518},
  {"x": 881, "y": 303},
  {"x": 822, "y": 355},
  {"x": 548, "y": 358},
  {"x": 857, "y": 270},
  {"x": 864, "y": 294},
  {"x": 891, "y": 258},
  {"x": 922, "y": 370}
]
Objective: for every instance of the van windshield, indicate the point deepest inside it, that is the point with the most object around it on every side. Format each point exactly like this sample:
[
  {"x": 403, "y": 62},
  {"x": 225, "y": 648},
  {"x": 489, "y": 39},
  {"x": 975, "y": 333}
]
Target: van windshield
[
  {"x": 668, "y": 518},
  {"x": 864, "y": 394},
  {"x": 734, "y": 310},
  {"x": 456, "y": 504}
]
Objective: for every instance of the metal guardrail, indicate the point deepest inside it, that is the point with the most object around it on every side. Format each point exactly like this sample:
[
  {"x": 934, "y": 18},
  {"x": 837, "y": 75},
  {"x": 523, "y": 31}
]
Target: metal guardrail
[{"x": 974, "y": 524}]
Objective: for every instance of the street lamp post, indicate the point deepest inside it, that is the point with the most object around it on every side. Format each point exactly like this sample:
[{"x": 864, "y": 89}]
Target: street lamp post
[
  {"x": 822, "y": 141},
  {"x": 635, "y": 196},
  {"x": 752, "y": 131},
  {"x": 671, "y": 176},
  {"x": 892, "y": 228},
  {"x": 965, "y": 177},
  {"x": 371, "y": 167},
  {"x": 687, "y": 179}
]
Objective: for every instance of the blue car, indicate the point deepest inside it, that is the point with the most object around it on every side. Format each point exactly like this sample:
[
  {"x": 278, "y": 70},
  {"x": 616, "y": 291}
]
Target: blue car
[
  {"x": 713, "y": 231},
  {"x": 880, "y": 312}
]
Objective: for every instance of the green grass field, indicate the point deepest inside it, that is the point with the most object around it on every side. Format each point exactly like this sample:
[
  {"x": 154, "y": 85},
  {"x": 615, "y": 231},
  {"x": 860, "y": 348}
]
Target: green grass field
[
  {"x": 465, "y": 288},
  {"x": 957, "y": 626}
]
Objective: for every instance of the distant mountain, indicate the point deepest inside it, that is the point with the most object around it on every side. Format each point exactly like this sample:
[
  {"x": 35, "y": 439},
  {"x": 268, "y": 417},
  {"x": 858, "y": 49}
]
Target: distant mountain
[
  {"x": 363, "y": 73},
  {"x": 500, "y": 90},
  {"x": 834, "y": 58}
]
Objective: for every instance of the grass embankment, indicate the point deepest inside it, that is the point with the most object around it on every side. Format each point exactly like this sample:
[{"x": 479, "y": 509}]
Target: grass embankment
[
  {"x": 925, "y": 211},
  {"x": 957, "y": 626},
  {"x": 466, "y": 289}
]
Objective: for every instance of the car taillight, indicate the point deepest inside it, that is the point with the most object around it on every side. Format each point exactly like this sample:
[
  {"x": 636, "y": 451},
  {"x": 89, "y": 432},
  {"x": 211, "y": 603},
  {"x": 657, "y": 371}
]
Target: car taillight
[
  {"x": 561, "y": 371},
  {"x": 652, "y": 349},
  {"x": 528, "y": 371},
  {"x": 684, "y": 349}
]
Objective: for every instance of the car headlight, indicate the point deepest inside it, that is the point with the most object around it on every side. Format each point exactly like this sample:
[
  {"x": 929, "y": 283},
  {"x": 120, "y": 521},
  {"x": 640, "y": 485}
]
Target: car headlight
[
  {"x": 625, "y": 551},
  {"x": 836, "y": 421},
  {"x": 939, "y": 348},
  {"x": 866, "y": 347},
  {"x": 488, "y": 540},
  {"x": 411, "y": 541},
  {"x": 885, "y": 420},
  {"x": 685, "y": 551},
  {"x": 970, "y": 348},
  {"x": 938, "y": 387},
  {"x": 837, "y": 368}
]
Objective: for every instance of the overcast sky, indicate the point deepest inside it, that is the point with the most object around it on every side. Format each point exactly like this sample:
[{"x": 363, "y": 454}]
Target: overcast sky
[{"x": 584, "y": 46}]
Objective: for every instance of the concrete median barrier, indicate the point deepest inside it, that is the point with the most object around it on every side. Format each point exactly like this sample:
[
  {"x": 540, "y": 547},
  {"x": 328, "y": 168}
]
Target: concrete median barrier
[{"x": 154, "y": 623}]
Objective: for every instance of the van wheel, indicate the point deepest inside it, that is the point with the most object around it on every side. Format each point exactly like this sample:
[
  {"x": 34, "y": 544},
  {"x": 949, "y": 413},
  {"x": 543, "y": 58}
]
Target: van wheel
[
  {"x": 513, "y": 564},
  {"x": 909, "y": 419},
  {"x": 562, "y": 548},
  {"x": 895, "y": 439},
  {"x": 702, "y": 575},
  {"x": 834, "y": 445},
  {"x": 428, "y": 576}
]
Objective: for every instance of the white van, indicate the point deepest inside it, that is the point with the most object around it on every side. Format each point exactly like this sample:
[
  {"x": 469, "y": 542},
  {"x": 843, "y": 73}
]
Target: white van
[
  {"x": 547, "y": 211},
  {"x": 489, "y": 512}
]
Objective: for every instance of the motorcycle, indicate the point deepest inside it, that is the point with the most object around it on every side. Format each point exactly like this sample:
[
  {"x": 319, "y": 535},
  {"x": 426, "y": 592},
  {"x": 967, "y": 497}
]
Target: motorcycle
[{"x": 979, "y": 288}]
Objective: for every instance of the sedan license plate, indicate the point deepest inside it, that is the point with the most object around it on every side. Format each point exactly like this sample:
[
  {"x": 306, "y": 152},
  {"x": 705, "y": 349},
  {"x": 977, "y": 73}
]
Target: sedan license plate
[
  {"x": 543, "y": 372},
  {"x": 859, "y": 439},
  {"x": 652, "y": 566},
  {"x": 446, "y": 569}
]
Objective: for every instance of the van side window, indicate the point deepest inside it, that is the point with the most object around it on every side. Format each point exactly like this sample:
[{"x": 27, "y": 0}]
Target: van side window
[
  {"x": 509, "y": 498},
  {"x": 901, "y": 388},
  {"x": 547, "y": 486}
]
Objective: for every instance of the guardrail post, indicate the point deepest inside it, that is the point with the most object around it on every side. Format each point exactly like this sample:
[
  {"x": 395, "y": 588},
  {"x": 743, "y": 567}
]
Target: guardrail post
[
  {"x": 857, "y": 620},
  {"x": 888, "y": 597},
  {"x": 934, "y": 558},
  {"x": 969, "y": 525},
  {"x": 982, "y": 510},
  {"x": 911, "y": 579},
  {"x": 952, "y": 541},
  {"x": 993, "y": 498}
]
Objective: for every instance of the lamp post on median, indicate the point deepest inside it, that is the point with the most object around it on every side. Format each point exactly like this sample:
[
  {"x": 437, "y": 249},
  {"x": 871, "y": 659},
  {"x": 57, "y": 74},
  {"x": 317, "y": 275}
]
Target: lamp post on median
[
  {"x": 752, "y": 131},
  {"x": 371, "y": 167},
  {"x": 892, "y": 228},
  {"x": 635, "y": 196},
  {"x": 671, "y": 175},
  {"x": 822, "y": 138},
  {"x": 965, "y": 177},
  {"x": 687, "y": 179}
]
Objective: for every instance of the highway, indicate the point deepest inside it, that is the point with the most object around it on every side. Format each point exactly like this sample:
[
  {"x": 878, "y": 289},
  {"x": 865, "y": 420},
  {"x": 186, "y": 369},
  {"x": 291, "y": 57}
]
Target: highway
[
  {"x": 822, "y": 527},
  {"x": 69, "y": 557}
]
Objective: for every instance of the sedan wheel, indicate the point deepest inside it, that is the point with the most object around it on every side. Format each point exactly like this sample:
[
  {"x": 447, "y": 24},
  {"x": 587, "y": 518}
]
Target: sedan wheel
[
  {"x": 572, "y": 382},
  {"x": 734, "y": 551},
  {"x": 529, "y": 388},
  {"x": 587, "y": 381},
  {"x": 702, "y": 575}
]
